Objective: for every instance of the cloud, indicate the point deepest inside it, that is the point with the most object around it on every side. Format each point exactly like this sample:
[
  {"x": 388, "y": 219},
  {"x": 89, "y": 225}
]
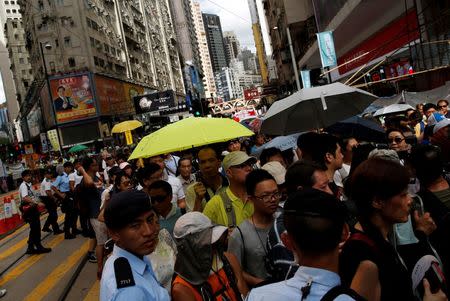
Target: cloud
[{"x": 2, "y": 91}]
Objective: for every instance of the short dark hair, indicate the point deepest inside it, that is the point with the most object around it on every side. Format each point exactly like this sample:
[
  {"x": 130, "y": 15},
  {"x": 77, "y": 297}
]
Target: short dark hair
[
  {"x": 442, "y": 100},
  {"x": 209, "y": 148},
  {"x": 306, "y": 142},
  {"x": 428, "y": 162},
  {"x": 68, "y": 164},
  {"x": 254, "y": 178},
  {"x": 325, "y": 143},
  {"x": 375, "y": 178},
  {"x": 147, "y": 171},
  {"x": 125, "y": 207},
  {"x": 114, "y": 171},
  {"x": 301, "y": 174},
  {"x": 87, "y": 161},
  {"x": 184, "y": 159},
  {"x": 428, "y": 106},
  {"x": 315, "y": 220},
  {"x": 267, "y": 153},
  {"x": 118, "y": 179},
  {"x": 26, "y": 172},
  {"x": 160, "y": 184},
  {"x": 394, "y": 129}
]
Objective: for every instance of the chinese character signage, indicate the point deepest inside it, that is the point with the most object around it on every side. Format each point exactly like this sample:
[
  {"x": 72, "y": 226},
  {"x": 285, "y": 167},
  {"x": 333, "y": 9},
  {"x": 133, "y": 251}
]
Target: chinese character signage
[
  {"x": 44, "y": 143},
  {"x": 73, "y": 98},
  {"x": 129, "y": 137},
  {"x": 54, "y": 140},
  {"x": 250, "y": 94},
  {"x": 326, "y": 49},
  {"x": 306, "y": 79}
]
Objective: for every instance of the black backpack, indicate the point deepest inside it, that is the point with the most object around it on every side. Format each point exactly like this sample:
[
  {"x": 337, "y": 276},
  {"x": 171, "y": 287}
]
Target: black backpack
[{"x": 339, "y": 290}]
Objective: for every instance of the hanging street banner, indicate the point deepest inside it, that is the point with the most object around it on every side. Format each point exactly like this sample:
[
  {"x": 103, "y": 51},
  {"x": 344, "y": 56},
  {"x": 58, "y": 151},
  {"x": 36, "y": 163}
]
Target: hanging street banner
[
  {"x": 306, "y": 79},
  {"x": 129, "y": 137},
  {"x": 326, "y": 48},
  {"x": 54, "y": 141}
]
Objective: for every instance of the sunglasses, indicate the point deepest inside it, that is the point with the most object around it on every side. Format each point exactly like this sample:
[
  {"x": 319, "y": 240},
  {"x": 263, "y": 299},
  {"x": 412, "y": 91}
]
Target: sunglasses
[
  {"x": 158, "y": 198},
  {"x": 441, "y": 107},
  {"x": 396, "y": 140}
]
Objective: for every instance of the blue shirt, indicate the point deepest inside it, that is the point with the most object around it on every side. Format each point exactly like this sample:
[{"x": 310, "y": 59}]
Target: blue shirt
[
  {"x": 62, "y": 183},
  {"x": 169, "y": 221},
  {"x": 322, "y": 282},
  {"x": 146, "y": 286}
]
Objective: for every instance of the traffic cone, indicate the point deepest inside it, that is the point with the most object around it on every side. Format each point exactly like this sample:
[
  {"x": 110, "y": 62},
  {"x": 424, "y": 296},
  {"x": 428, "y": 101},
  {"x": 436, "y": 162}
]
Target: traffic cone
[{"x": 7, "y": 208}]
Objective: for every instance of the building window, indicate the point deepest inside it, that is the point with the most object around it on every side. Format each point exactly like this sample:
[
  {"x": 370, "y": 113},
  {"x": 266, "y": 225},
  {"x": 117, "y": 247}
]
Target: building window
[
  {"x": 56, "y": 43},
  {"x": 67, "y": 42},
  {"x": 24, "y": 72},
  {"x": 95, "y": 61},
  {"x": 106, "y": 47},
  {"x": 19, "y": 49},
  {"x": 92, "y": 40},
  {"x": 12, "y": 2},
  {"x": 8, "y": 11},
  {"x": 52, "y": 67},
  {"x": 14, "y": 11},
  {"x": 88, "y": 21},
  {"x": 25, "y": 84},
  {"x": 71, "y": 62},
  {"x": 30, "y": 71},
  {"x": 6, "y": 2},
  {"x": 21, "y": 61},
  {"x": 14, "y": 24}
]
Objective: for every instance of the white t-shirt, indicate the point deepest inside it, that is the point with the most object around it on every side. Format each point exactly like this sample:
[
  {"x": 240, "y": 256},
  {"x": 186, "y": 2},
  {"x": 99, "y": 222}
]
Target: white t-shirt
[
  {"x": 45, "y": 185},
  {"x": 74, "y": 177},
  {"x": 24, "y": 189},
  {"x": 177, "y": 189}
]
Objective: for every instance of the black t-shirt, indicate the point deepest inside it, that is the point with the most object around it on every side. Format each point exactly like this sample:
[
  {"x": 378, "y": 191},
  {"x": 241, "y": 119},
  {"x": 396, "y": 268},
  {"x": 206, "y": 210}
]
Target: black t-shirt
[
  {"x": 394, "y": 278},
  {"x": 90, "y": 197}
]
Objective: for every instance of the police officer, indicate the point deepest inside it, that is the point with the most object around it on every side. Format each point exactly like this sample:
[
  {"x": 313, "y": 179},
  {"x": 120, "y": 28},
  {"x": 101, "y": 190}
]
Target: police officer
[
  {"x": 61, "y": 187},
  {"x": 133, "y": 225}
]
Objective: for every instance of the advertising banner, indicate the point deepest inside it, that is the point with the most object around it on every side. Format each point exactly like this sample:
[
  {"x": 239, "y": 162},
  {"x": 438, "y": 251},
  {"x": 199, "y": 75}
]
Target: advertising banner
[
  {"x": 154, "y": 102},
  {"x": 306, "y": 78},
  {"x": 326, "y": 48},
  {"x": 131, "y": 91},
  {"x": 250, "y": 94},
  {"x": 47, "y": 109},
  {"x": 73, "y": 98},
  {"x": 111, "y": 98},
  {"x": 44, "y": 144},
  {"x": 54, "y": 140},
  {"x": 129, "y": 137}
]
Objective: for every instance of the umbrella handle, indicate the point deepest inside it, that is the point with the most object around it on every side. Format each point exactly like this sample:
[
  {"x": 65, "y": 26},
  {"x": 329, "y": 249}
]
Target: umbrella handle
[{"x": 324, "y": 103}]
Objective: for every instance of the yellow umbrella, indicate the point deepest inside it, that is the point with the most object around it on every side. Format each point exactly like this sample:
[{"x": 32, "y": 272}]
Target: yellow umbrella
[
  {"x": 189, "y": 133},
  {"x": 124, "y": 126}
]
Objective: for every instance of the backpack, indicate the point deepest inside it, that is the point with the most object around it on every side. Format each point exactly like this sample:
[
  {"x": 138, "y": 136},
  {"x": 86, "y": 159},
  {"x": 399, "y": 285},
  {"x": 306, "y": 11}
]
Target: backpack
[{"x": 339, "y": 290}]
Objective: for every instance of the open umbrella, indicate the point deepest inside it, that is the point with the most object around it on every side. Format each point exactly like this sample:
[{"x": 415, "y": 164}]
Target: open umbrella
[
  {"x": 359, "y": 128},
  {"x": 315, "y": 108},
  {"x": 394, "y": 108},
  {"x": 189, "y": 133},
  {"x": 124, "y": 126},
  {"x": 281, "y": 142},
  {"x": 77, "y": 148}
]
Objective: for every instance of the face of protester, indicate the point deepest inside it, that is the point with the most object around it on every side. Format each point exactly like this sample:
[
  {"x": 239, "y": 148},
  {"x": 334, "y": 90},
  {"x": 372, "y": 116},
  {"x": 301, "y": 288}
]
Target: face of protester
[
  {"x": 125, "y": 184},
  {"x": 321, "y": 181},
  {"x": 161, "y": 201},
  {"x": 27, "y": 178},
  {"x": 429, "y": 112},
  {"x": 140, "y": 237},
  {"x": 266, "y": 197},
  {"x": 208, "y": 162},
  {"x": 68, "y": 169},
  {"x": 443, "y": 107},
  {"x": 234, "y": 146},
  {"x": 259, "y": 140},
  {"x": 128, "y": 171},
  {"x": 109, "y": 161},
  {"x": 278, "y": 158},
  {"x": 158, "y": 160},
  {"x": 185, "y": 168},
  {"x": 153, "y": 178},
  {"x": 335, "y": 160},
  {"x": 396, "y": 209},
  {"x": 238, "y": 173},
  {"x": 93, "y": 167},
  {"x": 397, "y": 141}
]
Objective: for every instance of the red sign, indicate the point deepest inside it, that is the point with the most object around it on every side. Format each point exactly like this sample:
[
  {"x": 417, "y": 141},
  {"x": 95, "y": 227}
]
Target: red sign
[
  {"x": 111, "y": 96},
  {"x": 390, "y": 38},
  {"x": 73, "y": 98},
  {"x": 250, "y": 94}
]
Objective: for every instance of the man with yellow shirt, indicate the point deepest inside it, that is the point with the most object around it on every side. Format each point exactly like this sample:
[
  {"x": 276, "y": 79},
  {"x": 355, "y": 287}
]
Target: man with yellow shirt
[{"x": 230, "y": 207}]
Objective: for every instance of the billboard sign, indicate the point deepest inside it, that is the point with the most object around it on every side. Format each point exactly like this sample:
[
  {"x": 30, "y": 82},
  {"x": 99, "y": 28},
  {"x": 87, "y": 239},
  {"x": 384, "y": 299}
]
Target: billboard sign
[
  {"x": 73, "y": 98},
  {"x": 155, "y": 101},
  {"x": 250, "y": 94},
  {"x": 111, "y": 98}
]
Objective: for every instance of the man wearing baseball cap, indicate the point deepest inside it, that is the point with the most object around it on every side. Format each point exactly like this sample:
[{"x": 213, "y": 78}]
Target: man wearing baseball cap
[
  {"x": 133, "y": 225},
  {"x": 230, "y": 207},
  {"x": 203, "y": 270}
]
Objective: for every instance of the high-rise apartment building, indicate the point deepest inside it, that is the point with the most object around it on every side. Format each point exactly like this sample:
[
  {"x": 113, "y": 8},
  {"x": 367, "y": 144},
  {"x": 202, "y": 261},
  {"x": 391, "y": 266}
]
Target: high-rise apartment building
[
  {"x": 9, "y": 10},
  {"x": 232, "y": 45},
  {"x": 214, "y": 37},
  {"x": 208, "y": 73}
]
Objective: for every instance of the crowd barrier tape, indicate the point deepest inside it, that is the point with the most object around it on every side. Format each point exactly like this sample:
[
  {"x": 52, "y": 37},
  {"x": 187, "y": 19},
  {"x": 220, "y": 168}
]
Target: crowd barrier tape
[{"x": 10, "y": 217}]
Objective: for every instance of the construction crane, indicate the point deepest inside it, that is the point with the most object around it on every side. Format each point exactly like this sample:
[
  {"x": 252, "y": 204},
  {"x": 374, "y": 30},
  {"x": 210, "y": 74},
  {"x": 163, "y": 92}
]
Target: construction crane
[{"x": 260, "y": 52}]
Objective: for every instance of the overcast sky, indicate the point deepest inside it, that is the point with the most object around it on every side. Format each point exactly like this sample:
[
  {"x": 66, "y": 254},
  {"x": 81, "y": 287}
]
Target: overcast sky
[
  {"x": 2, "y": 91},
  {"x": 235, "y": 16}
]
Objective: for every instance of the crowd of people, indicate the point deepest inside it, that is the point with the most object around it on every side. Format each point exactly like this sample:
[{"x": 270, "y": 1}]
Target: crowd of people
[{"x": 333, "y": 219}]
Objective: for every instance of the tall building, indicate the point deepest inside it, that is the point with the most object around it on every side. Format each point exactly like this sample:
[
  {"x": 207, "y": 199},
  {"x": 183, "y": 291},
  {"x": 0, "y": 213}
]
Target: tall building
[
  {"x": 9, "y": 10},
  {"x": 208, "y": 73},
  {"x": 101, "y": 52},
  {"x": 188, "y": 47},
  {"x": 214, "y": 37},
  {"x": 249, "y": 60},
  {"x": 232, "y": 45}
]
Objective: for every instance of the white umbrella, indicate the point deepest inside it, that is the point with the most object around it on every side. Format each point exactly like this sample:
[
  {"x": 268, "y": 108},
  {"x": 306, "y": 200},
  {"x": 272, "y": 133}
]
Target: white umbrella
[
  {"x": 281, "y": 142},
  {"x": 315, "y": 108},
  {"x": 395, "y": 108}
]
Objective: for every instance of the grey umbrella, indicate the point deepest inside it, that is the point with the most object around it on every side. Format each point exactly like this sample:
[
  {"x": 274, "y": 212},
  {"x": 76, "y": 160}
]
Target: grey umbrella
[{"x": 315, "y": 108}]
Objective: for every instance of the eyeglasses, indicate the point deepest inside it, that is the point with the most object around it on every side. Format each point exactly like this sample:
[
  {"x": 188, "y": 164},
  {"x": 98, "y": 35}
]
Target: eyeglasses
[
  {"x": 396, "y": 140},
  {"x": 158, "y": 199},
  {"x": 268, "y": 197}
]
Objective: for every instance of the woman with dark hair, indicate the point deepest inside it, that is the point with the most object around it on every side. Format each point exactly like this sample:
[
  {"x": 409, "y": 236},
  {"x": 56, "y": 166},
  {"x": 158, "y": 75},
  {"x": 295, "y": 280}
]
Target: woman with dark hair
[{"x": 369, "y": 263}]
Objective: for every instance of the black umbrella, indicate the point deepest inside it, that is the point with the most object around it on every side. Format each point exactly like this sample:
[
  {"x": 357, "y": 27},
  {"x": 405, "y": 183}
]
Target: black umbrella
[{"x": 359, "y": 128}]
